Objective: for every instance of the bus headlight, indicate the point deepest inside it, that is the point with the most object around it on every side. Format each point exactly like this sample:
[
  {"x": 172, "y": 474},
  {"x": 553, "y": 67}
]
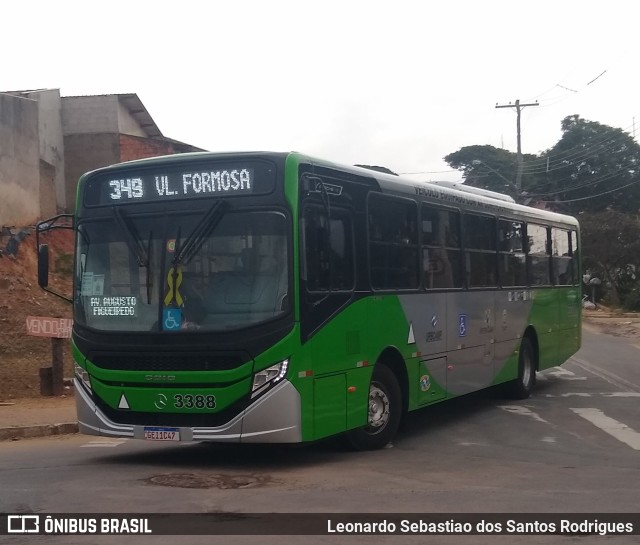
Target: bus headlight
[
  {"x": 268, "y": 377},
  {"x": 82, "y": 376}
]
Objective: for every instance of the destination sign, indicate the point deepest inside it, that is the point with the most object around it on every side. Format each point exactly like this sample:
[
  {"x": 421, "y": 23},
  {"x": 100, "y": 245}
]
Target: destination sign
[{"x": 188, "y": 182}]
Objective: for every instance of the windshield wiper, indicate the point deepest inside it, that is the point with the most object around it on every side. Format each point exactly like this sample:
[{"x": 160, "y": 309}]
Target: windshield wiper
[
  {"x": 132, "y": 238},
  {"x": 149, "y": 284},
  {"x": 136, "y": 245},
  {"x": 200, "y": 233}
]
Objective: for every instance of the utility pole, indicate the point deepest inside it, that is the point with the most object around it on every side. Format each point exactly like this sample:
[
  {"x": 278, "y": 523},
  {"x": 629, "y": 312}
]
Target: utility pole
[{"x": 518, "y": 108}]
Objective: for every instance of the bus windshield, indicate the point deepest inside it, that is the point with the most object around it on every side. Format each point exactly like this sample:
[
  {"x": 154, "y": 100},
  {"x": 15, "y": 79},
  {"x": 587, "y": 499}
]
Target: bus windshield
[{"x": 178, "y": 272}]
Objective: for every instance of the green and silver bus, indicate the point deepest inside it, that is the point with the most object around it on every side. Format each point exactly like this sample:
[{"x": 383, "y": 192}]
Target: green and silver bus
[{"x": 276, "y": 297}]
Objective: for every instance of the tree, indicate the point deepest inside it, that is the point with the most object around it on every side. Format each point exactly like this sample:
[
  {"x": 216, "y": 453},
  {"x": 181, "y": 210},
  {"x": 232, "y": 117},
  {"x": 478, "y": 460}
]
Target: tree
[
  {"x": 611, "y": 248},
  {"x": 491, "y": 168},
  {"x": 592, "y": 172},
  {"x": 593, "y": 167}
]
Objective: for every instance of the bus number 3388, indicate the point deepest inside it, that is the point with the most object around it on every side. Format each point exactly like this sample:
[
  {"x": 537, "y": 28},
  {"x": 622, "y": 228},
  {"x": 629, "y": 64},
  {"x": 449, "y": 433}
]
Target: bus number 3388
[{"x": 188, "y": 401}]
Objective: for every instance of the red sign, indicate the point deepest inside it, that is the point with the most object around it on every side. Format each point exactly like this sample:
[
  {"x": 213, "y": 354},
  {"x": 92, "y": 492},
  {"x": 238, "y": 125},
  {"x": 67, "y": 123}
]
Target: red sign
[{"x": 40, "y": 326}]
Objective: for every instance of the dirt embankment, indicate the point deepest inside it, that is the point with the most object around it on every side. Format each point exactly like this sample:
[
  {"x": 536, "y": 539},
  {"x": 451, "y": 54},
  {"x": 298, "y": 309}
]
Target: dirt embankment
[
  {"x": 612, "y": 322},
  {"x": 21, "y": 355}
]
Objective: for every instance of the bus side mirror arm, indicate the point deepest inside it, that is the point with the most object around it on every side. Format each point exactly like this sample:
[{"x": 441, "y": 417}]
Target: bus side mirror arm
[{"x": 43, "y": 250}]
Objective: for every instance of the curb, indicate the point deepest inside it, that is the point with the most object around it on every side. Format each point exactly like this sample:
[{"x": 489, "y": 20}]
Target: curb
[{"x": 29, "y": 432}]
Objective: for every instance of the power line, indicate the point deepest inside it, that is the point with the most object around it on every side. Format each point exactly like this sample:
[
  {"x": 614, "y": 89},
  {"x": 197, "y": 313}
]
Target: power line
[
  {"x": 518, "y": 108},
  {"x": 551, "y": 163},
  {"x": 603, "y": 178},
  {"x": 594, "y": 196}
]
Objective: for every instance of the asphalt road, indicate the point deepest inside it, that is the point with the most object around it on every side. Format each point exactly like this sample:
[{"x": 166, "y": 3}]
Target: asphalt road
[{"x": 573, "y": 447}]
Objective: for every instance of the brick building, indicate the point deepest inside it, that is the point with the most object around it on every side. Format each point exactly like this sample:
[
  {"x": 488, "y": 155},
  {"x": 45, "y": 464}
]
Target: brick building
[{"x": 48, "y": 141}]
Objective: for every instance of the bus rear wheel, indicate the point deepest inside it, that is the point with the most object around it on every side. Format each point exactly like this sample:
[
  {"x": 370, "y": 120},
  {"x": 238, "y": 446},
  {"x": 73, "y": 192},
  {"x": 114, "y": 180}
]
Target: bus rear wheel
[
  {"x": 522, "y": 387},
  {"x": 384, "y": 412}
]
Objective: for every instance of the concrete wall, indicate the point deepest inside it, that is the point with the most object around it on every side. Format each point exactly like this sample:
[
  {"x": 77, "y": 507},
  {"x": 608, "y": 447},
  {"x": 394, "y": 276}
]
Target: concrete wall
[
  {"x": 84, "y": 152},
  {"x": 88, "y": 115},
  {"x": 48, "y": 202},
  {"x": 51, "y": 149},
  {"x": 19, "y": 161},
  {"x": 47, "y": 142},
  {"x": 92, "y": 126},
  {"x": 127, "y": 124}
]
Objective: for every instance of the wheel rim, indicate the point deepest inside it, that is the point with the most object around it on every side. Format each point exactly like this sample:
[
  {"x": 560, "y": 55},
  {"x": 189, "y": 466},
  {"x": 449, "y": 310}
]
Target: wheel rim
[
  {"x": 527, "y": 369},
  {"x": 378, "y": 416}
]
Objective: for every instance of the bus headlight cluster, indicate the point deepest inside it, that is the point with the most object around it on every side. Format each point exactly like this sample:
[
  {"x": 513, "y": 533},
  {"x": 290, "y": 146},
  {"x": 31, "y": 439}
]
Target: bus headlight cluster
[
  {"x": 82, "y": 376},
  {"x": 268, "y": 377}
]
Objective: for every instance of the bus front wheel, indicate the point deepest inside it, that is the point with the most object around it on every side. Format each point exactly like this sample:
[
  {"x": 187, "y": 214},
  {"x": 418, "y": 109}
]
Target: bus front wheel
[
  {"x": 522, "y": 387},
  {"x": 384, "y": 411}
]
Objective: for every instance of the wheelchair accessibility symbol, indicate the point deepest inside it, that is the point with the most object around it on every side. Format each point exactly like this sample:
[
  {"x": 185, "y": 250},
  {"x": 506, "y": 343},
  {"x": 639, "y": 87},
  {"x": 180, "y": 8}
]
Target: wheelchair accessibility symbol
[
  {"x": 462, "y": 325},
  {"x": 171, "y": 319}
]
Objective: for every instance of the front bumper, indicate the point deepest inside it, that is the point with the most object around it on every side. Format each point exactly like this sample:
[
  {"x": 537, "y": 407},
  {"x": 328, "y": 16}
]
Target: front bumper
[{"x": 273, "y": 418}]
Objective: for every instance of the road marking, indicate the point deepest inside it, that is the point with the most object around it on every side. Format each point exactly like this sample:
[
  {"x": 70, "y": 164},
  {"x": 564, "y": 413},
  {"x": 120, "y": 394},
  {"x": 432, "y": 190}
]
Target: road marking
[
  {"x": 616, "y": 429},
  {"x": 611, "y": 378},
  {"x": 561, "y": 371},
  {"x": 603, "y": 394},
  {"x": 563, "y": 374},
  {"x": 523, "y": 411},
  {"x": 106, "y": 442}
]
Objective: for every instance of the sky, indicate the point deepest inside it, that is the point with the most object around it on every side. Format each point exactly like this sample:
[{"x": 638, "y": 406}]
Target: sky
[{"x": 395, "y": 83}]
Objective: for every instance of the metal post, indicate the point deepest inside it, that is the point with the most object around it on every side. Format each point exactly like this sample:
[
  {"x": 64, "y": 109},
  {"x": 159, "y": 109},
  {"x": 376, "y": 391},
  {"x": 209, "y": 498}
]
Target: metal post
[{"x": 57, "y": 367}]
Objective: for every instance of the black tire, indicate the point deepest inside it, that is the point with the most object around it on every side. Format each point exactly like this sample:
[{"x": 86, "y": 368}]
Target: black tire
[
  {"x": 383, "y": 414},
  {"x": 522, "y": 387}
]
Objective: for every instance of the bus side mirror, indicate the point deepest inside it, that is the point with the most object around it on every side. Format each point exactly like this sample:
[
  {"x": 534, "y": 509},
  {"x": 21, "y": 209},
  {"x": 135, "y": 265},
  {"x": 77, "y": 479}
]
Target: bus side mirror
[
  {"x": 61, "y": 221},
  {"x": 43, "y": 265}
]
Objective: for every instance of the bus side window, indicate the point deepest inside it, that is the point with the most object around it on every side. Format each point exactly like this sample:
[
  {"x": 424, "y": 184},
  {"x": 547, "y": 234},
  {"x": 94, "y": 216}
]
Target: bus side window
[
  {"x": 511, "y": 256},
  {"x": 441, "y": 255},
  {"x": 537, "y": 255},
  {"x": 393, "y": 242},
  {"x": 561, "y": 257},
  {"x": 575, "y": 258},
  {"x": 480, "y": 250},
  {"x": 329, "y": 256}
]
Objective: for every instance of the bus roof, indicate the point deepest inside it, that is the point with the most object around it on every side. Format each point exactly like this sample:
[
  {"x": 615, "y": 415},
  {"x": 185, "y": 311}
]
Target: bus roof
[{"x": 451, "y": 193}]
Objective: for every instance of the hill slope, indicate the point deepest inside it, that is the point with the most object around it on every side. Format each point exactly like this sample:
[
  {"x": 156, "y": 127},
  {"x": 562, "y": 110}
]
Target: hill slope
[{"x": 21, "y": 355}]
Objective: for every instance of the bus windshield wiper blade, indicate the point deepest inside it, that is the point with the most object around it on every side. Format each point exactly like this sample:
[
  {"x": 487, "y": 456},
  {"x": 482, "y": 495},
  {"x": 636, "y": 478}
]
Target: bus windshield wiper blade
[
  {"x": 132, "y": 238},
  {"x": 196, "y": 238},
  {"x": 136, "y": 246},
  {"x": 149, "y": 285}
]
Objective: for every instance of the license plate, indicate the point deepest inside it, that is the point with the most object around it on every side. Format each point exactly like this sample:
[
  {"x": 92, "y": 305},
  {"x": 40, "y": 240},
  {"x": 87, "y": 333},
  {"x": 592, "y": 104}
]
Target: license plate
[{"x": 162, "y": 434}]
